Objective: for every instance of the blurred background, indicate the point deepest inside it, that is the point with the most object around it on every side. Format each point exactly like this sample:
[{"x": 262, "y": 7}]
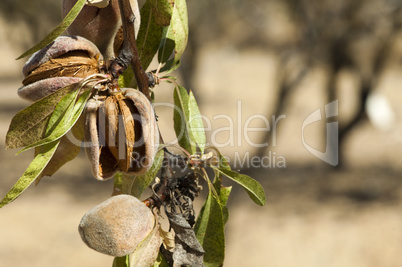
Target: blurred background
[{"x": 248, "y": 61}]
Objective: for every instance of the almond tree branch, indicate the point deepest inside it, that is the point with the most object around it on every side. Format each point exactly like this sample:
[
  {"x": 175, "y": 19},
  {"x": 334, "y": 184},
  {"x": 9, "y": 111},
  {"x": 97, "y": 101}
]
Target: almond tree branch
[
  {"x": 129, "y": 55},
  {"x": 129, "y": 52}
]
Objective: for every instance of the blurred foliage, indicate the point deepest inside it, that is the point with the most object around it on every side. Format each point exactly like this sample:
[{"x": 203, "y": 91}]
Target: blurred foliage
[
  {"x": 29, "y": 21},
  {"x": 359, "y": 36}
]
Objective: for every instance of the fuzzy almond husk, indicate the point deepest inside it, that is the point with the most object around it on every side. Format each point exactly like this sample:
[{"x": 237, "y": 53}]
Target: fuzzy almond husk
[
  {"x": 104, "y": 164},
  {"x": 65, "y": 61},
  {"x": 147, "y": 139},
  {"x": 117, "y": 226},
  {"x": 121, "y": 134}
]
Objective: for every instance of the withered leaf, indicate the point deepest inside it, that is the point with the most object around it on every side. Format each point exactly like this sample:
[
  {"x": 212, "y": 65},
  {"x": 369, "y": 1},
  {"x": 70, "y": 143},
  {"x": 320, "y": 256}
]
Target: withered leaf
[{"x": 188, "y": 250}]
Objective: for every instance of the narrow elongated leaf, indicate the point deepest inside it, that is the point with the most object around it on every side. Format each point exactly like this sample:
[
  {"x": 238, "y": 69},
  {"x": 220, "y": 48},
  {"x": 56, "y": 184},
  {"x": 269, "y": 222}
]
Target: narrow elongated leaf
[
  {"x": 70, "y": 17},
  {"x": 68, "y": 149},
  {"x": 149, "y": 36},
  {"x": 32, "y": 172},
  {"x": 223, "y": 193},
  {"x": 223, "y": 163},
  {"x": 176, "y": 35},
  {"x": 65, "y": 115},
  {"x": 64, "y": 153},
  {"x": 195, "y": 123},
  {"x": 167, "y": 47},
  {"x": 209, "y": 230},
  {"x": 63, "y": 108},
  {"x": 252, "y": 187},
  {"x": 142, "y": 182},
  {"x": 121, "y": 261},
  {"x": 223, "y": 198},
  {"x": 181, "y": 117},
  {"x": 188, "y": 123},
  {"x": 28, "y": 125}
]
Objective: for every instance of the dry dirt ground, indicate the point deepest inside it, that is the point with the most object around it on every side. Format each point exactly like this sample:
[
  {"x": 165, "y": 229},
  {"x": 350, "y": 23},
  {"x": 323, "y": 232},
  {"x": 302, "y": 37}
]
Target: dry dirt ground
[{"x": 315, "y": 215}]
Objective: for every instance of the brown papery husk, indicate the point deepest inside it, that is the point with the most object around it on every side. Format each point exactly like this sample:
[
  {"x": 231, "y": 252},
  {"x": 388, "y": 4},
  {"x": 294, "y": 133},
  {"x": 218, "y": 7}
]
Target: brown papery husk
[
  {"x": 127, "y": 111},
  {"x": 110, "y": 111},
  {"x": 139, "y": 155},
  {"x": 147, "y": 136},
  {"x": 103, "y": 163},
  {"x": 73, "y": 64}
]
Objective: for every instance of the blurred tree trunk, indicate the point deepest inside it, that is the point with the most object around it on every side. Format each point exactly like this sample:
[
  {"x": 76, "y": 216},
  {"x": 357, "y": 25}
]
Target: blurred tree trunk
[{"x": 286, "y": 86}]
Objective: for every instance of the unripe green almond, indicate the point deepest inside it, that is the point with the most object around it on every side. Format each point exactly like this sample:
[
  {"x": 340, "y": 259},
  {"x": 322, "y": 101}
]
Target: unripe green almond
[{"x": 117, "y": 226}]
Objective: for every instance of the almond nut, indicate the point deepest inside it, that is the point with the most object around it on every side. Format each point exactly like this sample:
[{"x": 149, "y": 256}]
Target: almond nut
[
  {"x": 65, "y": 61},
  {"x": 121, "y": 134}
]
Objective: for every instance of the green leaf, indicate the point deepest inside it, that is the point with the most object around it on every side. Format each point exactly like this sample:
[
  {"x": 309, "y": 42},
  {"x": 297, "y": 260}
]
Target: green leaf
[
  {"x": 181, "y": 117},
  {"x": 160, "y": 261},
  {"x": 166, "y": 47},
  {"x": 142, "y": 182},
  {"x": 195, "y": 123},
  {"x": 65, "y": 115},
  {"x": 122, "y": 261},
  {"x": 117, "y": 184},
  {"x": 188, "y": 123},
  {"x": 252, "y": 187},
  {"x": 122, "y": 183},
  {"x": 66, "y": 152},
  {"x": 149, "y": 36},
  {"x": 176, "y": 34},
  {"x": 28, "y": 125},
  {"x": 68, "y": 149},
  {"x": 209, "y": 230},
  {"x": 223, "y": 193},
  {"x": 70, "y": 17},
  {"x": 32, "y": 172},
  {"x": 126, "y": 78},
  {"x": 223, "y": 162},
  {"x": 162, "y": 11}
]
